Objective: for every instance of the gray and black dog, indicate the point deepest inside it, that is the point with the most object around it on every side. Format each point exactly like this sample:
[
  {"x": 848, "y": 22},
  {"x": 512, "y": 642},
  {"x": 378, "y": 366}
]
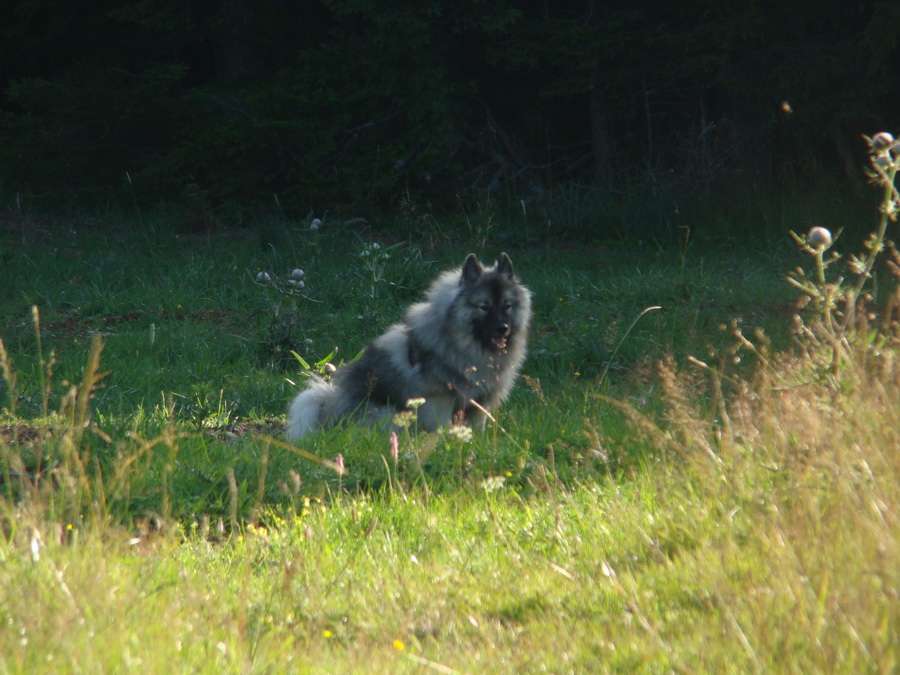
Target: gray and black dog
[{"x": 463, "y": 345}]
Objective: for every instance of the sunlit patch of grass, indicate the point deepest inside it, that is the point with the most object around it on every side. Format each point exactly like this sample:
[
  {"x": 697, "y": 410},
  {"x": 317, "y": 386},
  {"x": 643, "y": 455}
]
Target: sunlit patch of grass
[{"x": 767, "y": 558}]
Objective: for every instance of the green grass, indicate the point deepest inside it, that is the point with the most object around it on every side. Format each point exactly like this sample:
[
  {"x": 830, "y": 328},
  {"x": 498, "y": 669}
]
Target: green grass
[{"x": 631, "y": 510}]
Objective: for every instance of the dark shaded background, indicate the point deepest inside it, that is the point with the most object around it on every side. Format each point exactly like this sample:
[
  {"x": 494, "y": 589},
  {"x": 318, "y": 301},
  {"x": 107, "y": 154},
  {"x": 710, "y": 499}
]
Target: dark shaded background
[{"x": 353, "y": 106}]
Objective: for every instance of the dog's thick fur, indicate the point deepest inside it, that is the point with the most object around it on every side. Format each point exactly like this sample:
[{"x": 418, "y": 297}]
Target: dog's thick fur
[{"x": 464, "y": 343}]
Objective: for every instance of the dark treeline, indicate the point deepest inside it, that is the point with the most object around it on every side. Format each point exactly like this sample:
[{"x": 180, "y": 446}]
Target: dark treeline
[{"x": 355, "y": 104}]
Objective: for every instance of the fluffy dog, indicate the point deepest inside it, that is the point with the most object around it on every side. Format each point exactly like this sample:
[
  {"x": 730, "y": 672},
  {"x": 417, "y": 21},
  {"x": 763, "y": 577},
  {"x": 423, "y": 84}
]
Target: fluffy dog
[{"x": 462, "y": 346}]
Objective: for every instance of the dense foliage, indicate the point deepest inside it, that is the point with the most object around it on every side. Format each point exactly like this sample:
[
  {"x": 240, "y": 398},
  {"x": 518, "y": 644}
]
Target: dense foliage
[{"x": 353, "y": 104}]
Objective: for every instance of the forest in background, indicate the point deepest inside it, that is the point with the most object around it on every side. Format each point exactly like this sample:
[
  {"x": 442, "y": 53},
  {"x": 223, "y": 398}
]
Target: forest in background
[{"x": 355, "y": 106}]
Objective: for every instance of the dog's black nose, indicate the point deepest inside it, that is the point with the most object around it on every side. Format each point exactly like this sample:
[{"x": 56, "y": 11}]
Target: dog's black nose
[{"x": 503, "y": 329}]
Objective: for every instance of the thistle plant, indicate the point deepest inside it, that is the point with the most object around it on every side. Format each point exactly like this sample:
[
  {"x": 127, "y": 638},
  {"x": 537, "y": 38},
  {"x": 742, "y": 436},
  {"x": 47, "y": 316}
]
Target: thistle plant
[
  {"x": 374, "y": 259},
  {"x": 835, "y": 300},
  {"x": 283, "y": 302}
]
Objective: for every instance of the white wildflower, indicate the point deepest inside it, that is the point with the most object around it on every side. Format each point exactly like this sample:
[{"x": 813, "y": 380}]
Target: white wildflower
[
  {"x": 404, "y": 418},
  {"x": 493, "y": 483},
  {"x": 460, "y": 433}
]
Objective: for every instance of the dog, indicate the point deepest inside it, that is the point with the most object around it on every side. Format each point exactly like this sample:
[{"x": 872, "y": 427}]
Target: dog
[{"x": 460, "y": 350}]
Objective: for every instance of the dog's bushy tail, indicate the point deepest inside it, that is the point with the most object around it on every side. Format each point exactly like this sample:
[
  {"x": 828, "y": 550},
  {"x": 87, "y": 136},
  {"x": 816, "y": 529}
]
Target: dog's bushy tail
[{"x": 309, "y": 409}]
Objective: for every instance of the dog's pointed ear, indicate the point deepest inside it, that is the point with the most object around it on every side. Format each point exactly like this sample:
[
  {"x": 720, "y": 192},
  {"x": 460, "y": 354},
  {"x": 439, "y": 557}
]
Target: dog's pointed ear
[
  {"x": 471, "y": 270},
  {"x": 505, "y": 267}
]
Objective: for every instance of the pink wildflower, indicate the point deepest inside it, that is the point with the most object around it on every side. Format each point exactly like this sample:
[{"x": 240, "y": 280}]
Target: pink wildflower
[{"x": 395, "y": 446}]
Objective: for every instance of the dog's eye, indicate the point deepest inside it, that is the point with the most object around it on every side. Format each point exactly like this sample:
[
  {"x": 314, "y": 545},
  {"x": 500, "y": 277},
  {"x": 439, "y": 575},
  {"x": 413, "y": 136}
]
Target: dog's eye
[{"x": 507, "y": 307}]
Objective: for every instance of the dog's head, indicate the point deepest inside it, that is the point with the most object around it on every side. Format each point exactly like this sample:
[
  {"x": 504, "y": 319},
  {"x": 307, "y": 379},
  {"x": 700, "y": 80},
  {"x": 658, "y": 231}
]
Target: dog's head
[{"x": 498, "y": 304}]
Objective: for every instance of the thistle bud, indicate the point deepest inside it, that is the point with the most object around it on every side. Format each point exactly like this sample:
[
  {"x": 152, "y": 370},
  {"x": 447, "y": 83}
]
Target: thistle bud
[
  {"x": 883, "y": 162},
  {"x": 819, "y": 237},
  {"x": 882, "y": 141}
]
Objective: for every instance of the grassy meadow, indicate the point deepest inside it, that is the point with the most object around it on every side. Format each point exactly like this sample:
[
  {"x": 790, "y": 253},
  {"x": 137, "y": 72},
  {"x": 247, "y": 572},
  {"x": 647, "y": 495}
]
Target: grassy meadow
[{"x": 687, "y": 477}]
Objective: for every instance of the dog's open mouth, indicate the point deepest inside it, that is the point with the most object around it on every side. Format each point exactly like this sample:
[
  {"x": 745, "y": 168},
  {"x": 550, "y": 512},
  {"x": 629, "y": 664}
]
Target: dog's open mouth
[{"x": 499, "y": 341}]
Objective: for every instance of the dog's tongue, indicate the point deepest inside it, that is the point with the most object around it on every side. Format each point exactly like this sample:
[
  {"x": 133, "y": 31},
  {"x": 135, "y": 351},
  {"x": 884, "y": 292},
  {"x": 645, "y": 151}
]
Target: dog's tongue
[{"x": 499, "y": 342}]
